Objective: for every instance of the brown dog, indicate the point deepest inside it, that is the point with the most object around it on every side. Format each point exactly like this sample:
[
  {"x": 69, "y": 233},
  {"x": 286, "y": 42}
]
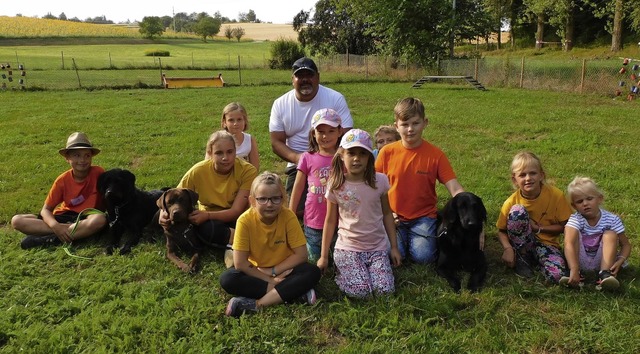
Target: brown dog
[{"x": 180, "y": 233}]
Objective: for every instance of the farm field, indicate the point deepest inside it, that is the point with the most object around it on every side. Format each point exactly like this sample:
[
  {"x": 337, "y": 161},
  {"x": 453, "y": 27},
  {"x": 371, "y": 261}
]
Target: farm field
[{"x": 55, "y": 303}]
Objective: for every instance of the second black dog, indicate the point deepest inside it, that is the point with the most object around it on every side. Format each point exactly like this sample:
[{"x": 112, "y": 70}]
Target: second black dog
[
  {"x": 460, "y": 226},
  {"x": 129, "y": 209}
]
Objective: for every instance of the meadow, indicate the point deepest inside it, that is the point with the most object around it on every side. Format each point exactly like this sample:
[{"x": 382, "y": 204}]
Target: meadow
[
  {"x": 52, "y": 302},
  {"x": 142, "y": 303}
]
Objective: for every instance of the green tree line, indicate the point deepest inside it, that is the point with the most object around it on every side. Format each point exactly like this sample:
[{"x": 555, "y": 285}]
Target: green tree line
[{"x": 423, "y": 30}]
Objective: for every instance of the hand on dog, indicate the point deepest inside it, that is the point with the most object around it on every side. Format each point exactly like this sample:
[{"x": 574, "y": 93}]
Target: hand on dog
[
  {"x": 198, "y": 217},
  {"x": 163, "y": 219}
]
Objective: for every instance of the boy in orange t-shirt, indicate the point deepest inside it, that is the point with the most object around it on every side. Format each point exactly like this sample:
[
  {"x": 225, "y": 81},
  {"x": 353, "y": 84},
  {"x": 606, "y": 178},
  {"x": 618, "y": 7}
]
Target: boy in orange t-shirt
[
  {"x": 72, "y": 192},
  {"x": 413, "y": 166}
]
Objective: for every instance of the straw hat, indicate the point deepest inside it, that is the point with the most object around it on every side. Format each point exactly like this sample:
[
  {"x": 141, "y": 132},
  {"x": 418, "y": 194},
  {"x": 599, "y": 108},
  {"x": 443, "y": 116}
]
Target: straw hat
[{"x": 77, "y": 141}]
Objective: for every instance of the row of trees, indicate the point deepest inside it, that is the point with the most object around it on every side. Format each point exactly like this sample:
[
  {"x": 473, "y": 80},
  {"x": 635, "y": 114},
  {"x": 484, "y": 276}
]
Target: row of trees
[
  {"x": 178, "y": 22},
  {"x": 422, "y": 30}
]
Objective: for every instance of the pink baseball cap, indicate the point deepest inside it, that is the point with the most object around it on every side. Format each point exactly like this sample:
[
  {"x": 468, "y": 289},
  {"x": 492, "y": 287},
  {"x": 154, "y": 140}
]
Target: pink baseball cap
[
  {"x": 356, "y": 138},
  {"x": 326, "y": 116}
]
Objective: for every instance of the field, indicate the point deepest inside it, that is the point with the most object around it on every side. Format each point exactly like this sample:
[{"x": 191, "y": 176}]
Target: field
[
  {"x": 55, "y": 303},
  {"x": 27, "y": 27},
  {"x": 52, "y": 302}
]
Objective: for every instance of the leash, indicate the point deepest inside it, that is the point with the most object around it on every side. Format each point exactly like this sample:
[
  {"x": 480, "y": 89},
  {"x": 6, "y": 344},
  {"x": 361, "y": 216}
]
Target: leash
[{"x": 67, "y": 246}]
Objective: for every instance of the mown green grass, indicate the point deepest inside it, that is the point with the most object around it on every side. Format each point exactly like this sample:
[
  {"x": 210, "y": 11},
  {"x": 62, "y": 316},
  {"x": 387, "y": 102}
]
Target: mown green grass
[
  {"x": 55, "y": 303},
  {"x": 185, "y": 53}
]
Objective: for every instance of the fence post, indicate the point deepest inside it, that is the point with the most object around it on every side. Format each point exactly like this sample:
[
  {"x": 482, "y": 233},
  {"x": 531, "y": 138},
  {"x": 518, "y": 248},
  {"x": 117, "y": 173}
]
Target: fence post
[
  {"x": 160, "y": 64},
  {"x": 239, "y": 71},
  {"x": 522, "y": 73},
  {"x": 584, "y": 66},
  {"x": 62, "y": 56},
  {"x": 475, "y": 70},
  {"x": 110, "y": 64},
  {"x": 73, "y": 60}
]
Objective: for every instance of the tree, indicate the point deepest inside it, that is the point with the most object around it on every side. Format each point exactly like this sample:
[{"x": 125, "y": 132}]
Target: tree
[
  {"x": 62, "y": 17},
  {"x": 538, "y": 9},
  {"x": 207, "y": 26},
  {"x": 251, "y": 16},
  {"x": 616, "y": 36},
  {"x": 238, "y": 32},
  {"x": 228, "y": 32},
  {"x": 151, "y": 26},
  {"x": 333, "y": 30},
  {"x": 415, "y": 29},
  {"x": 49, "y": 16}
]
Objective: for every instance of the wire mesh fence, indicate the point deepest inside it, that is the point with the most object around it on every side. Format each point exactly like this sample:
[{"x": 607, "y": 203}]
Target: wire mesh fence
[{"x": 603, "y": 77}]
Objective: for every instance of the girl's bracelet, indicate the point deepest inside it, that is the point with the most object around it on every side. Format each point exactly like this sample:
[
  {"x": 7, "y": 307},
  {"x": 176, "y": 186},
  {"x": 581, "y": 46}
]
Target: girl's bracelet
[{"x": 623, "y": 257}]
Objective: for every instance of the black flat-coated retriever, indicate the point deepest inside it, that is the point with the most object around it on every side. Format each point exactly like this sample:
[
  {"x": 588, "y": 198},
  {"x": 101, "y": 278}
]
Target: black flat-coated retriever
[
  {"x": 460, "y": 227},
  {"x": 129, "y": 209}
]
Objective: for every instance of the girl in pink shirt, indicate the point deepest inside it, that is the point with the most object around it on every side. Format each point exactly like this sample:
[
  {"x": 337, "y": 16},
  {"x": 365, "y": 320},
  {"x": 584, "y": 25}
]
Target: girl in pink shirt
[{"x": 357, "y": 203}]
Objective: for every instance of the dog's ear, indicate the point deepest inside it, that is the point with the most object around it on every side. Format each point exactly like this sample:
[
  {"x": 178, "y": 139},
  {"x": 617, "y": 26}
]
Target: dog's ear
[
  {"x": 129, "y": 177},
  {"x": 482, "y": 209},
  {"x": 160, "y": 201},
  {"x": 450, "y": 211},
  {"x": 194, "y": 197}
]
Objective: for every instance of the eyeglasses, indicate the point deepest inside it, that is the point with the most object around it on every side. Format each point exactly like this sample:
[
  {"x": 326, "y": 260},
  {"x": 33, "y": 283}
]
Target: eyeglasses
[{"x": 274, "y": 200}]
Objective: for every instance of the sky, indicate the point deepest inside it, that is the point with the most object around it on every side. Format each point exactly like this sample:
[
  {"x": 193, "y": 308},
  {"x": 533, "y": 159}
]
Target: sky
[{"x": 275, "y": 11}]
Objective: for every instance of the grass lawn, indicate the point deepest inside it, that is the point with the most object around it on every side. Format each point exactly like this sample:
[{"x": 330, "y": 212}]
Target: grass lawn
[{"x": 55, "y": 303}]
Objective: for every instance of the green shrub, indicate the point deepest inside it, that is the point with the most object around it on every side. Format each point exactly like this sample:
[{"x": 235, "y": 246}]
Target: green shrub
[
  {"x": 156, "y": 53},
  {"x": 284, "y": 52}
]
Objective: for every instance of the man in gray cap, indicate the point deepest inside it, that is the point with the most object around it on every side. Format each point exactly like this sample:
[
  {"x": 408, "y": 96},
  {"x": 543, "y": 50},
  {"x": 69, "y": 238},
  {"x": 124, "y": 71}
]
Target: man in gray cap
[{"x": 291, "y": 113}]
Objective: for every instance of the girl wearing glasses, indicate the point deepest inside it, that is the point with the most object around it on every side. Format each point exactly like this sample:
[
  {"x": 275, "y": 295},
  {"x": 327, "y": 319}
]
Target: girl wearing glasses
[{"x": 269, "y": 253}]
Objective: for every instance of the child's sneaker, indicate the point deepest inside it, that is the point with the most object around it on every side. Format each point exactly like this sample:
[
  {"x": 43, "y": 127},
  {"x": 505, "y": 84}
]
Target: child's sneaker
[
  {"x": 606, "y": 281},
  {"x": 239, "y": 305},
  {"x": 36, "y": 241},
  {"x": 310, "y": 297}
]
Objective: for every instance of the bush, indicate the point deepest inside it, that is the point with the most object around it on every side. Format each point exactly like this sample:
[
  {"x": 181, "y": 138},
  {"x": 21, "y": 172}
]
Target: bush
[
  {"x": 156, "y": 53},
  {"x": 284, "y": 52}
]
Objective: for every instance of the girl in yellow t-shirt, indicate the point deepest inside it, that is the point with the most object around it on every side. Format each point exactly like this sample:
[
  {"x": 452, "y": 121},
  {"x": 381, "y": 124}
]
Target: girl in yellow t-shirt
[
  {"x": 531, "y": 221},
  {"x": 269, "y": 253}
]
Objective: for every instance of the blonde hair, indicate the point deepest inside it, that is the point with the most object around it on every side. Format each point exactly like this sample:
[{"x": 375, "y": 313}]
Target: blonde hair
[
  {"x": 338, "y": 170},
  {"x": 526, "y": 159},
  {"x": 217, "y": 136},
  {"x": 584, "y": 186},
  {"x": 386, "y": 129},
  {"x": 232, "y": 107},
  {"x": 408, "y": 108},
  {"x": 268, "y": 178}
]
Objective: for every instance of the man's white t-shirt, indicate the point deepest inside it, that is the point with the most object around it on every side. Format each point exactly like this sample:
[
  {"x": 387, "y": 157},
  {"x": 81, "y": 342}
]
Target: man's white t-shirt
[{"x": 293, "y": 117}]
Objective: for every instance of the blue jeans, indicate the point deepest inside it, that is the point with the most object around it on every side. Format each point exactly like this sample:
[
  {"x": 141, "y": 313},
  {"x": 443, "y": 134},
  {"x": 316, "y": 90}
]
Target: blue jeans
[
  {"x": 314, "y": 243},
  {"x": 418, "y": 238}
]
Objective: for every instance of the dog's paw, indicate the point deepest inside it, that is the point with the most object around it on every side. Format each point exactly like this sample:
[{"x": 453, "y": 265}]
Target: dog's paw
[
  {"x": 109, "y": 249},
  {"x": 186, "y": 268},
  {"x": 126, "y": 249}
]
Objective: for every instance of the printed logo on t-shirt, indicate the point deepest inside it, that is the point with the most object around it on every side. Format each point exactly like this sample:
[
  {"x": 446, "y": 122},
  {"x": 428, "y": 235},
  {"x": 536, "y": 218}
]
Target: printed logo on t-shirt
[{"x": 77, "y": 200}]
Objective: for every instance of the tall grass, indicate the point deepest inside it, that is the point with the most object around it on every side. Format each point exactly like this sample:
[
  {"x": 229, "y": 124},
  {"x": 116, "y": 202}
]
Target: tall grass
[{"x": 55, "y": 303}]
